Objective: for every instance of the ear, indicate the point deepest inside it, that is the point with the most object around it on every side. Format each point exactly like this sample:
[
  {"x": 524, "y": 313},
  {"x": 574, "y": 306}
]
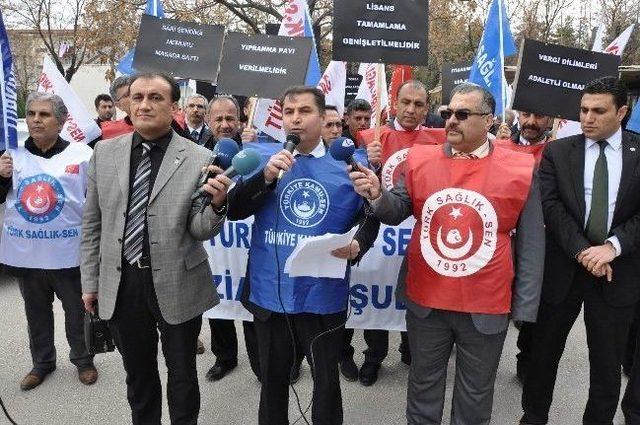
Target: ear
[
  {"x": 488, "y": 121},
  {"x": 174, "y": 107},
  {"x": 622, "y": 112}
]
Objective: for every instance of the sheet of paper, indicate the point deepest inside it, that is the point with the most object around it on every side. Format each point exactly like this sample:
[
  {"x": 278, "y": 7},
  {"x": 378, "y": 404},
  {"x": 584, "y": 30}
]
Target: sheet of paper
[{"x": 312, "y": 256}]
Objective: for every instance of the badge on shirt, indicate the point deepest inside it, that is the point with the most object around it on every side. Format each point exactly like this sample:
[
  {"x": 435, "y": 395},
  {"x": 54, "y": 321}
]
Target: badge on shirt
[{"x": 72, "y": 169}]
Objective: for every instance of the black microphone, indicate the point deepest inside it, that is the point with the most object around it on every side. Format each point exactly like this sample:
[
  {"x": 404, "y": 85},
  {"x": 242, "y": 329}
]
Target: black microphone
[
  {"x": 223, "y": 153},
  {"x": 292, "y": 141}
]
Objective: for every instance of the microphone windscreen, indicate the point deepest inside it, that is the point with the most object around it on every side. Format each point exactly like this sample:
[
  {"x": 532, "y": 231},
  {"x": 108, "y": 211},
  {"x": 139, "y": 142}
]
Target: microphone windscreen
[
  {"x": 342, "y": 149},
  {"x": 225, "y": 149},
  {"x": 246, "y": 161},
  {"x": 294, "y": 139}
]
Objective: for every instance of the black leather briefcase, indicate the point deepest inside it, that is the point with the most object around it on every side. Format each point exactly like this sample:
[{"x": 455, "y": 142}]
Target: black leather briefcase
[{"x": 97, "y": 334}]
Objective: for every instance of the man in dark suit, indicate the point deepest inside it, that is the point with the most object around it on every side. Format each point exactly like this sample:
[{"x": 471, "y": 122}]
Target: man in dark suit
[
  {"x": 195, "y": 110},
  {"x": 589, "y": 187},
  {"x": 141, "y": 252}
]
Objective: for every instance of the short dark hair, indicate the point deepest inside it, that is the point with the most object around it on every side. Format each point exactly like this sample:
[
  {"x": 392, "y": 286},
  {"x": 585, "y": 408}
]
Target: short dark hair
[
  {"x": 488, "y": 101},
  {"x": 331, "y": 108},
  {"x": 121, "y": 81},
  {"x": 358, "y": 105},
  {"x": 608, "y": 85},
  {"x": 318, "y": 95},
  {"x": 102, "y": 98},
  {"x": 175, "y": 89}
]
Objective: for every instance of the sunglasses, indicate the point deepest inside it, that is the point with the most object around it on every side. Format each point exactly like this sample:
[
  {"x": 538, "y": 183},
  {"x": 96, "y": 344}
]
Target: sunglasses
[{"x": 460, "y": 115}]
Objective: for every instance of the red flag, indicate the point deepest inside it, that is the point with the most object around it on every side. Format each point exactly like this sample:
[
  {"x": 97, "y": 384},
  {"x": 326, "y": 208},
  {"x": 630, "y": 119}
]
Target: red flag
[{"x": 401, "y": 73}]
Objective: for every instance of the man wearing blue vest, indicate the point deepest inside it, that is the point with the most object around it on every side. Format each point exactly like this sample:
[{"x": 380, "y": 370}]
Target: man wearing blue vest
[{"x": 313, "y": 196}]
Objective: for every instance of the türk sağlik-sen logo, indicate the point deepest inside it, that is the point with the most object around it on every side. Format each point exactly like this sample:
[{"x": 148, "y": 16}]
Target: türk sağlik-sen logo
[
  {"x": 304, "y": 202},
  {"x": 459, "y": 232},
  {"x": 40, "y": 198}
]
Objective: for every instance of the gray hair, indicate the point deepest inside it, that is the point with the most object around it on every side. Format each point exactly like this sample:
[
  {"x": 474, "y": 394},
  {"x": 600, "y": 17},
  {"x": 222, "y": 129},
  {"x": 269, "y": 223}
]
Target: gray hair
[
  {"x": 225, "y": 97},
  {"x": 415, "y": 84},
  {"x": 198, "y": 96},
  {"x": 122, "y": 81},
  {"x": 488, "y": 103},
  {"x": 57, "y": 104}
]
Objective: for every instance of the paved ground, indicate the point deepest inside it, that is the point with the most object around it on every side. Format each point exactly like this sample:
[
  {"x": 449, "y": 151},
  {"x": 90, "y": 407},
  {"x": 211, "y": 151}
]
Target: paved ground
[{"x": 61, "y": 399}]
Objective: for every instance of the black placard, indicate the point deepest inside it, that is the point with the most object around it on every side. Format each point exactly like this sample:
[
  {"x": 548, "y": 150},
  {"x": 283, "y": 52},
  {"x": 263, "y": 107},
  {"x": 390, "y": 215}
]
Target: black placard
[
  {"x": 551, "y": 77},
  {"x": 383, "y": 31},
  {"x": 182, "y": 49},
  {"x": 452, "y": 75},
  {"x": 351, "y": 88},
  {"x": 263, "y": 65}
]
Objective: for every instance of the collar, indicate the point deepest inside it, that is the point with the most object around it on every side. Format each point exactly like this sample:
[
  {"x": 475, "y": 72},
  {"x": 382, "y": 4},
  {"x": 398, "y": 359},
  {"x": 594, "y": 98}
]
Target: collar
[
  {"x": 398, "y": 127},
  {"x": 318, "y": 152},
  {"x": 481, "y": 152},
  {"x": 162, "y": 142},
  {"x": 199, "y": 129},
  {"x": 615, "y": 141},
  {"x": 57, "y": 147}
]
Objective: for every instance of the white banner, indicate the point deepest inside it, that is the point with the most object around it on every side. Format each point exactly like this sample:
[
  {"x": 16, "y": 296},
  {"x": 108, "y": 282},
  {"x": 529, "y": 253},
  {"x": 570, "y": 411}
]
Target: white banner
[
  {"x": 368, "y": 89},
  {"x": 618, "y": 45},
  {"x": 80, "y": 126},
  {"x": 373, "y": 282},
  {"x": 333, "y": 84}
]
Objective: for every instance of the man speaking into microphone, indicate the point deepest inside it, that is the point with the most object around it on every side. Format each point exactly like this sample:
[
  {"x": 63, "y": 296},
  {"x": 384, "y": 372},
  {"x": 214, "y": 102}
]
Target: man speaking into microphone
[{"x": 301, "y": 192}]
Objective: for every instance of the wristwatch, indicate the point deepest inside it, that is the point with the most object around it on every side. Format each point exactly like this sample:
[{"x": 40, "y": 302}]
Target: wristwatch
[{"x": 222, "y": 210}]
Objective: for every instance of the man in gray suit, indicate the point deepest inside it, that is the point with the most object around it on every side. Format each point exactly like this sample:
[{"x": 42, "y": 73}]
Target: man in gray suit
[
  {"x": 141, "y": 251},
  {"x": 459, "y": 273}
]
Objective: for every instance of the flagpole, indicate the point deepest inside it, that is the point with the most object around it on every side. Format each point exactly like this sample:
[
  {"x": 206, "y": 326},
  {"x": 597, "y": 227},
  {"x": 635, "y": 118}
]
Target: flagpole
[
  {"x": 502, "y": 76},
  {"x": 378, "y": 117}
]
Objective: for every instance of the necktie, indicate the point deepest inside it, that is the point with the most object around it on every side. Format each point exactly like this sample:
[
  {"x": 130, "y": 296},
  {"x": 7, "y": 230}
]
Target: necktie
[
  {"x": 464, "y": 155},
  {"x": 133, "y": 232},
  {"x": 597, "y": 222},
  {"x": 194, "y": 135}
]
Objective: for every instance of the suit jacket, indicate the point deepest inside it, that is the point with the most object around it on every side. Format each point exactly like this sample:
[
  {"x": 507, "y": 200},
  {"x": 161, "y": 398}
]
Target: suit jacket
[
  {"x": 179, "y": 263},
  {"x": 395, "y": 206},
  {"x": 562, "y": 190}
]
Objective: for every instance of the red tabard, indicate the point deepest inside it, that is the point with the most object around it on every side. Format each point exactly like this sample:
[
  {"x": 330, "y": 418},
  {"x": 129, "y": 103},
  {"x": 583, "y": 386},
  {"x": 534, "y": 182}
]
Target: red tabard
[
  {"x": 459, "y": 255},
  {"x": 395, "y": 147},
  {"x": 111, "y": 129},
  {"x": 535, "y": 150}
]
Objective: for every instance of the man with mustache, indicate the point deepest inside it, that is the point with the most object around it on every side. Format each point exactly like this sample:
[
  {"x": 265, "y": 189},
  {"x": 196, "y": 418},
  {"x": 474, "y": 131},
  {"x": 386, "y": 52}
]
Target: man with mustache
[{"x": 460, "y": 291}]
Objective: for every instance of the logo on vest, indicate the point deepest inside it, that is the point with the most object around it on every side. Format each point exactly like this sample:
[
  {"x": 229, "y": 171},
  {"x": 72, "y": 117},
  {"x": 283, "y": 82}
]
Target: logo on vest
[
  {"x": 459, "y": 232},
  {"x": 304, "y": 203},
  {"x": 40, "y": 198},
  {"x": 392, "y": 169}
]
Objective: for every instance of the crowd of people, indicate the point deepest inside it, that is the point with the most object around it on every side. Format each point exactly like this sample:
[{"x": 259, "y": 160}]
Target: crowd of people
[{"x": 510, "y": 225}]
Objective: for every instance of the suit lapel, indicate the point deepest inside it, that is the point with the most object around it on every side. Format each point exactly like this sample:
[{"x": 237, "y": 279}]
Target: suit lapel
[
  {"x": 122, "y": 159},
  {"x": 173, "y": 157},
  {"x": 576, "y": 168},
  {"x": 629, "y": 161}
]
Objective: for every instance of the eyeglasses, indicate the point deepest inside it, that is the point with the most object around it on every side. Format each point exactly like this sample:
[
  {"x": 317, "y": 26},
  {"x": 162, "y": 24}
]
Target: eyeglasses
[{"x": 460, "y": 115}]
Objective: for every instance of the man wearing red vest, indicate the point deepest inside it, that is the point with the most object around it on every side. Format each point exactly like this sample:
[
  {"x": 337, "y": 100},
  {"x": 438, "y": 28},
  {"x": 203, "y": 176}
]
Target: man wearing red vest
[
  {"x": 119, "y": 91},
  {"x": 467, "y": 197},
  {"x": 532, "y": 136}
]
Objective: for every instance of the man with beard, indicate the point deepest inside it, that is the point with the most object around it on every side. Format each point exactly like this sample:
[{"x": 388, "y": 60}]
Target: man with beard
[
  {"x": 357, "y": 117},
  {"x": 104, "y": 108},
  {"x": 223, "y": 120},
  {"x": 532, "y": 136}
]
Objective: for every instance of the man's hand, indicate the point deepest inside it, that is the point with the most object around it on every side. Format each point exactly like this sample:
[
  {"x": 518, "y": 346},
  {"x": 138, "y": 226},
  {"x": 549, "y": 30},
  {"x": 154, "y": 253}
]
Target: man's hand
[
  {"x": 595, "y": 257},
  {"x": 283, "y": 160},
  {"x": 365, "y": 182},
  {"x": 89, "y": 301},
  {"x": 6, "y": 165},
  {"x": 249, "y": 135},
  {"x": 374, "y": 153},
  {"x": 504, "y": 131},
  {"x": 217, "y": 187},
  {"x": 605, "y": 270},
  {"x": 348, "y": 252}
]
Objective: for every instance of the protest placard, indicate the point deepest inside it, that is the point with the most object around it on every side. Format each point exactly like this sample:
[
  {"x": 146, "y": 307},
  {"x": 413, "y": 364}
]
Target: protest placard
[{"x": 452, "y": 75}]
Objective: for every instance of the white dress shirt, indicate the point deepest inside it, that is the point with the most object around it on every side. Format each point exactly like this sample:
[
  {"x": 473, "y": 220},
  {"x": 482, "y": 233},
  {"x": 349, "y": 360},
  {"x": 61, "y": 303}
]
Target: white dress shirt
[
  {"x": 480, "y": 152},
  {"x": 199, "y": 130},
  {"x": 318, "y": 152},
  {"x": 398, "y": 127},
  {"x": 613, "y": 153}
]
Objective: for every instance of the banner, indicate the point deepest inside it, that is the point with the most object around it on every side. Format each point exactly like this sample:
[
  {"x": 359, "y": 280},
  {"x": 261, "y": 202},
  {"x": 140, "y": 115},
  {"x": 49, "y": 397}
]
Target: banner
[
  {"x": 393, "y": 31},
  {"x": 369, "y": 91},
  {"x": 550, "y": 71},
  {"x": 401, "y": 73},
  {"x": 8, "y": 94},
  {"x": 617, "y": 46},
  {"x": 125, "y": 66},
  {"x": 264, "y": 66},
  {"x": 352, "y": 87},
  {"x": 80, "y": 126},
  {"x": 333, "y": 83},
  {"x": 452, "y": 75},
  {"x": 181, "y": 49}
]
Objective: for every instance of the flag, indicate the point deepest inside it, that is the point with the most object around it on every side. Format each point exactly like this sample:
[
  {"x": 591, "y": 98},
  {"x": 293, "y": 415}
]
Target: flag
[
  {"x": 496, "y": 43},
  {"x": 8, "y": 102},
  {"x": 617, "y": 46},
  {"x": 333, "y": 83},
  {"x": 125, "y": 66},
  {"x": 597, "y": 40},
  {"x": 401, "y": 73},
  {"x": 368, "y": 89},
  {"x": 80, "y": 125},
  {"x": 296, "y": 22}
]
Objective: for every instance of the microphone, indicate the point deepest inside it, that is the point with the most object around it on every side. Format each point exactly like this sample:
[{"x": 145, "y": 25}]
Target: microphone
[
  {"x": 223, "y": 153},
  {"x": 243, "y": 163},
  {"x": 342, "y": 149},
  {"x": 292, "y": 141}
]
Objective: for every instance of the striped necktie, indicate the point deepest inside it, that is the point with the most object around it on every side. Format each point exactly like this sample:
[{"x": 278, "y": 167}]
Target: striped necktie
[
  {"x": 464, "y": 155},
  {"x": 133, "y": 232}
]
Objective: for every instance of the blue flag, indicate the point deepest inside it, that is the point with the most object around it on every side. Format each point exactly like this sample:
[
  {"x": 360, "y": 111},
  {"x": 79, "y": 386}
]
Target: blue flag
[
  {"x": 634, "y": 121},
  {"x": 125, "y": 66},
  {"x": 8, "y": 103},
  {"x": 496, "y": 43},
  {"x": 313, "y": 71}
]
